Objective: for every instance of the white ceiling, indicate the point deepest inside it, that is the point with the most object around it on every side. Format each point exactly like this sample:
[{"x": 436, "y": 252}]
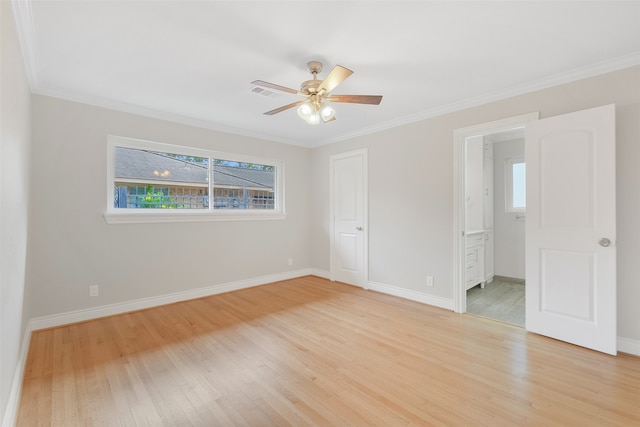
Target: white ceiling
[{"x": 193, "y": 61}]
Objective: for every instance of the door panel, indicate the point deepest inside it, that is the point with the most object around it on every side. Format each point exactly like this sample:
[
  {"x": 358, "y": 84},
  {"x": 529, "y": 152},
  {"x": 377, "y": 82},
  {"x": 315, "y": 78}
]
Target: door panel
[
  {"x": 346, "y": 186},
  {"x": 564, "y": 294},
  {"x": 567, "y": 155},
  {"x": 348, "y": 252},
  {"x": 570, "y": 277},
  {"x": 348, "y": 240}
]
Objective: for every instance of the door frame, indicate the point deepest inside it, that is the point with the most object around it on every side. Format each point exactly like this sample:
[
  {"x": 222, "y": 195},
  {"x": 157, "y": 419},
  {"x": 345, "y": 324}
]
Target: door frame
[
  {"x": 459, "y": 137},
  {"x": 363, "y": 153}
]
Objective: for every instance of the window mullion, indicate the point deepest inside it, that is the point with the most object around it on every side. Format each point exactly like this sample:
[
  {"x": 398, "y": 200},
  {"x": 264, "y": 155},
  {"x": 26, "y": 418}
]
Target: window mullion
[{"x": 211, "y": 184}]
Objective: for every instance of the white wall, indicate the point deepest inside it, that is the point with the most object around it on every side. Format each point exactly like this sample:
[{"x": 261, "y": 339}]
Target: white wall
[
  {"x": 14, "y": 195},
  {"x": 410, "y": 230},
  {"x": 411, "y": 188},
  {"x": 509, "y": 231},
  {"x": 73, "y": 247}
]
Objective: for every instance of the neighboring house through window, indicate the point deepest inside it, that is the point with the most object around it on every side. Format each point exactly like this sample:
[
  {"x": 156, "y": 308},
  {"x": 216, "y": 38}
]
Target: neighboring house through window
[{"x": 168, "y": 181}]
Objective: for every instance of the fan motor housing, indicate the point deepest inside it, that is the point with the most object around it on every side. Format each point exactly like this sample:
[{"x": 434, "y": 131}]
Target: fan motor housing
[{"x": 310, "y": 86}]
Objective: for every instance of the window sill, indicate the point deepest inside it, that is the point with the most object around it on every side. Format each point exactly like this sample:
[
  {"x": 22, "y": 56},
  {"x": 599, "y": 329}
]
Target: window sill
[{"x": 135, "y": 217}]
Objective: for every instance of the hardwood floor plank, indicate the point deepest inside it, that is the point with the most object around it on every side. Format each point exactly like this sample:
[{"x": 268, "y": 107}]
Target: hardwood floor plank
[{"x": 310, "y": 352}]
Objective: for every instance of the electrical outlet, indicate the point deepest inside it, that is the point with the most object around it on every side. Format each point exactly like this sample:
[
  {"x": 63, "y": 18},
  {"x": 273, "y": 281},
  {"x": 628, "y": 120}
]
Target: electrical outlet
[
  {"x": 94, "y": 290},
  {"x": 430, "y": 281},
  {"x": 290, "y": 261}
]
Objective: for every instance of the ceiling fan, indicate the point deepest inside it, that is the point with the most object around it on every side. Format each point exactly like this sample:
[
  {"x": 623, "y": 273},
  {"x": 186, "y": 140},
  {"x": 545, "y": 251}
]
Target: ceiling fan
[{"x": 317, "y": 92}]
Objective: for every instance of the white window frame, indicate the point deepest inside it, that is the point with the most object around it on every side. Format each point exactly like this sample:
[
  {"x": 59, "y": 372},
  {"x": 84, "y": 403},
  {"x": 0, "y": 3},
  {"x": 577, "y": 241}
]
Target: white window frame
[
  {"x": 509, "y": 208},
  {"x": 126, "y": 216}
]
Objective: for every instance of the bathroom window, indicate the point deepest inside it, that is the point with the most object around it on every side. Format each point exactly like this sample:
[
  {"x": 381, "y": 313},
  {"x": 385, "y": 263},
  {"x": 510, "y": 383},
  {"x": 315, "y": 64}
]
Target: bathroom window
[{"x": 516, "y": 191}]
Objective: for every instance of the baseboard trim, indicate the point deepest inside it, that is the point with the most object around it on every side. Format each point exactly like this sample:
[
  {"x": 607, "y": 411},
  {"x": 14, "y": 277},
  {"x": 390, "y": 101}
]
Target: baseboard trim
[
  {"x": 629, "y": 346},
  {"x": 13, "y": 402},
  {"x": 320, "y": 273},
  {"x": 509, "y": 279},
  {"x": 411, "y": 295},
  {"x": 144, "y": 303}
]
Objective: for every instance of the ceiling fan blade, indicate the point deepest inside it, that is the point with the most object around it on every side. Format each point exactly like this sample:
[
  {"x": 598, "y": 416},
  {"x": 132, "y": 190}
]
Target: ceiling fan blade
[
  {"x": 274, "y": 86},
  {"x": 335, "y": 77},
  {"x": 330, "y": 120},
  {"x": 283, "y": 108},
  {"x": 356, "y": 99}
]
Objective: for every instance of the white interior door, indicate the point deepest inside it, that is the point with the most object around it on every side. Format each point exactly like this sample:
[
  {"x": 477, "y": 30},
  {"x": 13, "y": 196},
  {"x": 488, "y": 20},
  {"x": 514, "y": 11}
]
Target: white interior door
[
  {"x": 571, "y": 228},
  {"x": 349, "y": 220}
]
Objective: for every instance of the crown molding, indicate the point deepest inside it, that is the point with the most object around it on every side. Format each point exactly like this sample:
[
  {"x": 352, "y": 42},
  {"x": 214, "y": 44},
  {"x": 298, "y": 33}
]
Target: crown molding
[
  {"x": 592, "y": 70},
  {"x": 125, "y": 107}
]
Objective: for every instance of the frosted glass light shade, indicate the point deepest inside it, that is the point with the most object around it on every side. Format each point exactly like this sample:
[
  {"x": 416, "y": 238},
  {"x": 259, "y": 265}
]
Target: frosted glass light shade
[
  {"x": 305, "y": 110},
  {"x": 326, "y": 112},
  {"x": 314, "y": 118}
]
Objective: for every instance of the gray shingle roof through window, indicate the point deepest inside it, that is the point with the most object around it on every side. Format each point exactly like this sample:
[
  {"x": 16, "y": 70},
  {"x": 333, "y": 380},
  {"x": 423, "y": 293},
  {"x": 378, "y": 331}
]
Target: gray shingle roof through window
[{"x": 152, "y": 166}]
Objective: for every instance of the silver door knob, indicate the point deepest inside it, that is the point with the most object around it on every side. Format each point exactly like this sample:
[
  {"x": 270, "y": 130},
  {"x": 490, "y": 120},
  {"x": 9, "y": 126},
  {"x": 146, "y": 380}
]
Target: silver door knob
[
  {"x": 359, "y": 228},
  {"x": 604, "y": 242}
]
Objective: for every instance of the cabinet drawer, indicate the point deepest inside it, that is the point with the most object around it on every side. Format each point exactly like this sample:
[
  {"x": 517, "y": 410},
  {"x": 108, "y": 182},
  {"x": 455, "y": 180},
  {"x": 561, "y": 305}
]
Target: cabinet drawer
[
  {"x": 472, "y": 276},
  {"x": 472, "y": 256},
  {"x": 471, "y": 272},
  {"x": 475, "y": 239}
]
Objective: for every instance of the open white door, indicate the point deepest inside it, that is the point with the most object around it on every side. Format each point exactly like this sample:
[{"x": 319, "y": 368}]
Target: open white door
[
  {"x": 349, "y": 218},
  {"x": 571, "y": 228}
]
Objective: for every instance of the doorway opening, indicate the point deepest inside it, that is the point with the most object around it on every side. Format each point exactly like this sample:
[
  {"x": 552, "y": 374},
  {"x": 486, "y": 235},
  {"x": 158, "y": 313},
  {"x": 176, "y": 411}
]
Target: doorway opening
[
  {"x": 482, "y": 241},
  {"x": 495, "y": 212}
]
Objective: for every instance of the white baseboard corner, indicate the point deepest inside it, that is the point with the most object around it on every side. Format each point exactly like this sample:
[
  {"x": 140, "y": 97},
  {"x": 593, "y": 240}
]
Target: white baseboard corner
[
  {"x": 412, "y": 295},
  {"x": 629, "y": 346},
  {"x": 13, "y": 402},
  {"x": 320, "y": 273},
  {"x": 144, "y": 303}
]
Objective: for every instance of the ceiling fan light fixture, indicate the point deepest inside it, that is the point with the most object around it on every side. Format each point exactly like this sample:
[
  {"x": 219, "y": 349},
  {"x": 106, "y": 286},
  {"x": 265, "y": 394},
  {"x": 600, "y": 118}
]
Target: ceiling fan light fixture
[
  {"x": 314, "y": 118},
  {"x": 304, "y": 110},
  {"x": 326, "y": 112},
  {"x": 313, "y": 110}
]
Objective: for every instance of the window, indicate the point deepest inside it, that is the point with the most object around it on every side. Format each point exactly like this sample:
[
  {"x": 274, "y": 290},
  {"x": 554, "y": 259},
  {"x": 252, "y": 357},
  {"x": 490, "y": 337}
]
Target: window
[
  {"x": 516, "y": 189},
  {"x": 153, "y": 182}
]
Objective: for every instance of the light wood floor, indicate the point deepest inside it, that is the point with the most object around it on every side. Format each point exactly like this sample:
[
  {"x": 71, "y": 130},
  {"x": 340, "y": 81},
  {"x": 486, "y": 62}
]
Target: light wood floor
[
  {"x": 309, "y": 352},
  {"x": 501, "y": 300}
]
